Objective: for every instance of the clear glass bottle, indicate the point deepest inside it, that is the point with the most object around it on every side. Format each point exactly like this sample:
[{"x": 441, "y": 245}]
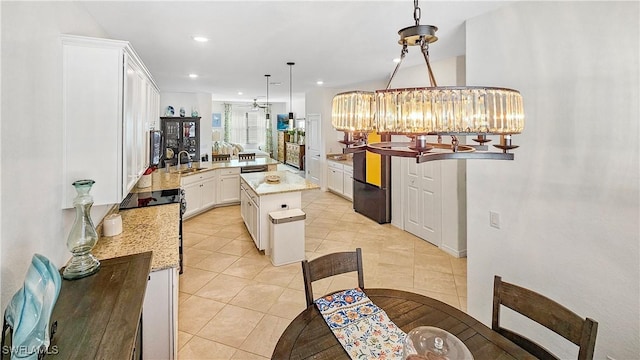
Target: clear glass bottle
[{"x": 83, "y": 235}]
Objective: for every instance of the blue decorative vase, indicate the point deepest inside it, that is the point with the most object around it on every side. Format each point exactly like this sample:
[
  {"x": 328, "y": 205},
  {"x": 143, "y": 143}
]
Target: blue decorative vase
[{"x": 29, "y": 311}]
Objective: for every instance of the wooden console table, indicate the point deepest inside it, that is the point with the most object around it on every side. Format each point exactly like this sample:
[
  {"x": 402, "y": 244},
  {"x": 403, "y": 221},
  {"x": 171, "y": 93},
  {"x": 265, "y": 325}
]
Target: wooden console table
[{"x": 99, "y": 316}]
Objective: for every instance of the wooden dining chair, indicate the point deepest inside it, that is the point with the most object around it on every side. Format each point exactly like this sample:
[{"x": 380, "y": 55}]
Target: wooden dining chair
[
  {"x": 330, "y": 265},
  {"x": 546, "y": 312},
  {"x": 247, "y": 156},
  {"x": 220, "y": 157}
]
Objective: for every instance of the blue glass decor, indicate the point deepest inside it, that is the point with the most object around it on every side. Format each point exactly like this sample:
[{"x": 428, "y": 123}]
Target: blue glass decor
[{"x": 29, "y": 311}]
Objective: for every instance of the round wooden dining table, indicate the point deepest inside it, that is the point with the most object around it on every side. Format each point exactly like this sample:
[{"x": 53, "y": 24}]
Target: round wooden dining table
[{"x": 309, "y": 337}]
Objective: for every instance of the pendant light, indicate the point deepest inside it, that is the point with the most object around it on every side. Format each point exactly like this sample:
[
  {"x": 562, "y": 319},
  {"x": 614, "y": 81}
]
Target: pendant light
[
  {"x": 431, "y": 111},
  {"x": 268, "y": 109},
  {"x": 290, "y": 96}
]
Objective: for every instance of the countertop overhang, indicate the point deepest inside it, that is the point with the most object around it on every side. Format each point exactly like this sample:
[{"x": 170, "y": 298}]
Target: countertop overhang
[{"x": 288, "y": 182}]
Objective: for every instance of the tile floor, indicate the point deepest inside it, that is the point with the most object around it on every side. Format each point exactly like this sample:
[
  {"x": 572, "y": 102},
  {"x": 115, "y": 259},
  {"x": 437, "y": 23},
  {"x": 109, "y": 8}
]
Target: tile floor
[{"x": 234, "y": 303}]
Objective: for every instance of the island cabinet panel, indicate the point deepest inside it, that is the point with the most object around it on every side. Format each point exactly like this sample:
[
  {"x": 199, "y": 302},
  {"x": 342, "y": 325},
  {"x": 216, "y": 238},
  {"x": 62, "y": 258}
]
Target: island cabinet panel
[{"x": 98, "y": 317}]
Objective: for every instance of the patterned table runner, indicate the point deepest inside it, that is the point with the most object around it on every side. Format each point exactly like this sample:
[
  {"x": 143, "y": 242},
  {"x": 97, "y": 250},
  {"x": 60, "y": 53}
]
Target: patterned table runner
[{"x": 364, "y": 330}]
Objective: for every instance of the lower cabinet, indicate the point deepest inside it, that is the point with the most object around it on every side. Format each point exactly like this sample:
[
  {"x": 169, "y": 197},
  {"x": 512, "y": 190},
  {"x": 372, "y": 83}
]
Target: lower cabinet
[
  {"x": 199, "y": 192},
  {"x": 347, "y": 182},
  {"x": 160, "y": 316},
  {"x": 228, "y": 185},
  {"x": 250, "y": 210},
  {"x": 340, "y": 179}
]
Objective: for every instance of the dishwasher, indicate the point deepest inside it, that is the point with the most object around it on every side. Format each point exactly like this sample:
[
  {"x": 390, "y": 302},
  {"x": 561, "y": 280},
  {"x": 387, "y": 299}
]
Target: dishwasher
[{"x": 253, "y": 168}]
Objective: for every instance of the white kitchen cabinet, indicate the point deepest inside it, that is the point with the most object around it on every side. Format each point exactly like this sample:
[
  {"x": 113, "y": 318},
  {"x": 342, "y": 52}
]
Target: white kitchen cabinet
[
  {"x": 335, "y": 180},
  {"x": 160, "y": 316},
  {"x": 228, "y": 185},
  {"x": 250, "y": 210},
  {"x": 199, "y": 192},
  {"x": 340, "y": 179},
  {"x": 347, "y": 188},
  {"x": 106, "y": 92}
]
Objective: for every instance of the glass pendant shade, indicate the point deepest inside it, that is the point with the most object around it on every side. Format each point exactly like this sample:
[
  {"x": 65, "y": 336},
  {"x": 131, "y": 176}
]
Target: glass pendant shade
[
  {"x": 449, "y": 111},
  {"x": 353, "y": 111}
]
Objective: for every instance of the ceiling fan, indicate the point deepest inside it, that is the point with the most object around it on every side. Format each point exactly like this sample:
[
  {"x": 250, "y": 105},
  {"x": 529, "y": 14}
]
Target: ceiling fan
[{"x": 255, "y": 105}]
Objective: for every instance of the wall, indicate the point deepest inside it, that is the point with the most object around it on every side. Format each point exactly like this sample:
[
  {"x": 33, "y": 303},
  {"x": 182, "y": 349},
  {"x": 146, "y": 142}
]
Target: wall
[
  {"x": 31, "y": 152},
  {"x": 568, "y": 203},
  {"x": 199, "y": 101}
]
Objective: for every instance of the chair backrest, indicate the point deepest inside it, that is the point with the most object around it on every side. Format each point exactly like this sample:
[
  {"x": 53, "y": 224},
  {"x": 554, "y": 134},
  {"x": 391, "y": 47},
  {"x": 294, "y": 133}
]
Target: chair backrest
[
  {"x": 220, "y": 157},
  {"x": 247, "y": 156},
  {"x": 546, "y": 312},
  {"x": 330, "y": 265}
]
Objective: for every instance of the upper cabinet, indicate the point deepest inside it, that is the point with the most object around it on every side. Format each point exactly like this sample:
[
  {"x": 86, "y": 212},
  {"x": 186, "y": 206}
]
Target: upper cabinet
[{"x": 109, "y": 102}]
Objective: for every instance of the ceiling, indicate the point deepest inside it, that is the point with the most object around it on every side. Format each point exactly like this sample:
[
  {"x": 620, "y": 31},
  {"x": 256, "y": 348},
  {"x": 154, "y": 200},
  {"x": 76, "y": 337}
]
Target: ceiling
[{"x": 341, "y": 43}]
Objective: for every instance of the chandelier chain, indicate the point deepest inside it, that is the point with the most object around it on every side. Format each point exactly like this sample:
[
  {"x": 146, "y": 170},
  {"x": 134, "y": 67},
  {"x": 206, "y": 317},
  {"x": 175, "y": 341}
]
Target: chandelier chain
[
  {"x": 403, "y": 53},
  {"x": 416, "y": 12}
]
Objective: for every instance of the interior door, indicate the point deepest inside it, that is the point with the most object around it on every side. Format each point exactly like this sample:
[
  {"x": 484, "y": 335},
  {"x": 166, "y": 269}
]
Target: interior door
[
  {"x": 313, "y": 158},
  {"x": 424, "y": 200}
]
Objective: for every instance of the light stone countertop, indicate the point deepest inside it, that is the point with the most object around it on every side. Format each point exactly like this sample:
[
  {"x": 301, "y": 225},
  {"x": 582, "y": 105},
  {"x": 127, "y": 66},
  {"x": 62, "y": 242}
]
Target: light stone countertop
[
  {"x": 233, "y": 163},
  {"x": 152, "y": 228},
  {"x": 288, "y": 182},
  {"x": 160, "y": 180},
  {"x": 163, "y": 180},
  {"x": 345, "y": 159}
]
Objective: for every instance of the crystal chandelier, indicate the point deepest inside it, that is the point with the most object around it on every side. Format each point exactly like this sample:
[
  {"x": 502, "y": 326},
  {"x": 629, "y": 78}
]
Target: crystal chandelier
[{"x": 429, "y": 111}]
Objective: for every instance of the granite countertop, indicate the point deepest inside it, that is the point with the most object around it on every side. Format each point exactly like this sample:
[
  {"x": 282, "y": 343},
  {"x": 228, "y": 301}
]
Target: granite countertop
[
  {"x": 160, "y": 180},
  {"x": 288, "y": 182},
  {"x": 212, "y": 165},
  {"x": 152, "y": 228},
  {"x": 345, "y": 159}
]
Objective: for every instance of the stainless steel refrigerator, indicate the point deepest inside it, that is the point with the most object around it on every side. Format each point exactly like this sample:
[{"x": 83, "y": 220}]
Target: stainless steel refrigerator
[{"x": 372, "y": 186}]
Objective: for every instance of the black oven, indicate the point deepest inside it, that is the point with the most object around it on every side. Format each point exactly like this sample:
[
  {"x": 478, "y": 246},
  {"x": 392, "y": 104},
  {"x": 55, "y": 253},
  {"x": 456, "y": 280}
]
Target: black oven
[{"x": 155, "y": 198}]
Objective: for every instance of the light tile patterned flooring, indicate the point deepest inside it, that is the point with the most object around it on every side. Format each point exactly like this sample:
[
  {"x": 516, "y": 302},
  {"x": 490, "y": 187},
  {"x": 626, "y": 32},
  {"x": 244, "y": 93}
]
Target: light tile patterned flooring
[{"x": 234, "y": 304}]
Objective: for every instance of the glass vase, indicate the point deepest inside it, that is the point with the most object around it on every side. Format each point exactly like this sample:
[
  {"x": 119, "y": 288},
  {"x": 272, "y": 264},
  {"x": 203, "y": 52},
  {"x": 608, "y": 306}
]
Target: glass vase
[{"x": 83, "y": 236}]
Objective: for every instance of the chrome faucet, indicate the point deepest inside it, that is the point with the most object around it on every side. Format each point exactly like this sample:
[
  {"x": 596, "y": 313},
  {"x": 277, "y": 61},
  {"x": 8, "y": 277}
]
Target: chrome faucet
[{"x": 188, "y": 156}]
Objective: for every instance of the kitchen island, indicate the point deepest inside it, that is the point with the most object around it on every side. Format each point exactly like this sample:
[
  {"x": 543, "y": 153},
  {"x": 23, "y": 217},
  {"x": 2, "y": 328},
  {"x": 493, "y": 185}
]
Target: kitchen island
[{"x": 265, "y": 192}]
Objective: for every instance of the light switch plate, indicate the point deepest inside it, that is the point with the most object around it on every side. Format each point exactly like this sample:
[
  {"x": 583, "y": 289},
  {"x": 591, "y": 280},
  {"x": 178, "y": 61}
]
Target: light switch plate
[{"x": 494, "y": 219}]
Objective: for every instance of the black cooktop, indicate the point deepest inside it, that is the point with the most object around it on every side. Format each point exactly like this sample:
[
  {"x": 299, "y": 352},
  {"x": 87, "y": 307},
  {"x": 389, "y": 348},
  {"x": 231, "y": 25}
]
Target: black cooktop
[{"x": 151, "y": 198}]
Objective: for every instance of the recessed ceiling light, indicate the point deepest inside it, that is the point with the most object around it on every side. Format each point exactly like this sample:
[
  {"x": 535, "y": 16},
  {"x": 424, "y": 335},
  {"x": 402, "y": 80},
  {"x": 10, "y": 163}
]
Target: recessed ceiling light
[
  {"x": 239, "y": 92},
  {"x": 396, "y": 60},
  {"x": 319, "y": 82},
  {"x": 193, "y": 76},
  {"x": 200, "y": 38}
]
